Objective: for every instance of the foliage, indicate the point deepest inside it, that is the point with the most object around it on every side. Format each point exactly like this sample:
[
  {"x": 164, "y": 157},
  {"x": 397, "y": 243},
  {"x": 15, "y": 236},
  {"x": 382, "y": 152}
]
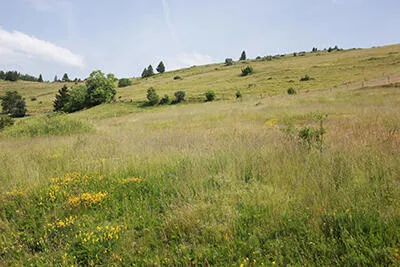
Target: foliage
[
  {"x": 238, "y": 94},
  {"x": 246, "y": 71},
  {"x": 161, "y": 67},
  {"x": 152, "y": 97},
  {"x": 65, "y": 78},
  {"x": 56, "y": 79},
  {"x": 164, "y": 100},
  {"x": 13, "y": 104},
  {"x": 243, "y": 56},
  {"x": 177, "y": 78},
  {"x": 314, "y": 49},
  {"x": 77, "y": 99},
  {"x": 100, "y": 88},
  {"x": 11, "y": 76},
  {"x": 179, "y": 97},
  {"x": 228, "y": 62},
  {"x": 40, "y": 79},
  {"x": 124, "y": 82},
  {"x": 291, "y": 91},
  {"x": 2, "y": 75},
  {"x": 305, "y": 78},
  {"x": 210, "y": 95},
  {"x": 5, "y": 121},
  {"x": 61, "y": 99}
]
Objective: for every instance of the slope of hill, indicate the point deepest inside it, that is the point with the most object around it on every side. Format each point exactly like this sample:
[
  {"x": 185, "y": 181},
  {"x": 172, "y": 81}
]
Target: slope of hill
[{"x": 269, "y": 179}]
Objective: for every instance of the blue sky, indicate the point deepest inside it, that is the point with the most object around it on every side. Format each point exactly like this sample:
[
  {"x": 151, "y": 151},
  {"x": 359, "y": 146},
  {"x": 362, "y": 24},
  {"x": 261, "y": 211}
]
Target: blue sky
[{"x": 124, "y": 36}]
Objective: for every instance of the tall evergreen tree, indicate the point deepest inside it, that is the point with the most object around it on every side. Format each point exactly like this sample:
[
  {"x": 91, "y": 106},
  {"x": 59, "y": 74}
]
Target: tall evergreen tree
[
  {"x": 161, "y": 67},
  {"x": 2, "y": 75},
  {"x": 65, "y": 78},
  {"x": 150, "y": 71},
  {"x": 55, "y": 79},
  {"x": 144, "y": 73},
  {"x": 243, "y": 56},
  {"x": 40, "y": 78},
  {"x": 61, "y": 99}
]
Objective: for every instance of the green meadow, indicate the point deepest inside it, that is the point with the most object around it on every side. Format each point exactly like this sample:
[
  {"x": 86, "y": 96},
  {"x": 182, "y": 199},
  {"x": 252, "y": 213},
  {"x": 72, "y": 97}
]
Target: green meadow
[{"x": 232, "y": 182}]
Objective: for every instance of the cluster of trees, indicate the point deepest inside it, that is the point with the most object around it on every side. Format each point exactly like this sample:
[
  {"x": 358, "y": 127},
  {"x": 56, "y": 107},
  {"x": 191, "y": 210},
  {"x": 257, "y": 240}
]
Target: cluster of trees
[
  {"x": 153, "y": 98},
  {"x": 148, "y": 72},
  {"x": 13, "y": 76},
  {"x": 65, "y": 78},
  {"x": 99, "y": 88}
]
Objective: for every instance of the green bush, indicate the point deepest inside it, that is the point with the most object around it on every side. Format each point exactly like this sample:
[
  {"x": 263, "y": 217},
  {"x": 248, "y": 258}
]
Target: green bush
[
  {"x": 238, "y": 94},
  {"x": 248, "y": 70},
  {"x": 179, "y": 97},
  {"x": 164, "y": 100},
  {"x": 228, "y": 62},
  {"x": 77, "y": 99},
  {"x": 177, "y": 78},
  {"x": 6, "y": 121},
  {"x": 124, "y": 82},
  {"x": 152, "y": 97},
  {"x": 291, "y": 91},
  {"x": 210, "y": 95},
  {"x": 100, "y": 88},
  {"x": 305, "y": 78},
  {"x": 55, "y": 124}
]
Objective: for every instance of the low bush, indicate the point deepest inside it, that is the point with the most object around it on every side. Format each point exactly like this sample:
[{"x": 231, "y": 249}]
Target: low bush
[
  {"x": 164, "y": 100},
  {"x": 210, "y": 95},
  {"x": 305, "y": 78},
  {"x": 238, "y": 94},
  {"x": 291, "y": 91},
  {"x": 124, "y": 82},
  {"x": 248, "y": 70},
  {"x": 228, "y": 62},
  {"x": 179, "y": 97},
  {"x": 177, "y": 78},
  {"x": 5, "y": 121}
]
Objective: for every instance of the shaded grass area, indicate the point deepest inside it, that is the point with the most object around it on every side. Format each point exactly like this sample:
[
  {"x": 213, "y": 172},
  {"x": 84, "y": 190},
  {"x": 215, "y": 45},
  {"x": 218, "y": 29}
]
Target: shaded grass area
[{"x": 53, "y": 124}]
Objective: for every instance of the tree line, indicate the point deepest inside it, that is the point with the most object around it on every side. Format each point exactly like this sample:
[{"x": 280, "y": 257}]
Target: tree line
[{"x": 13, "y": 76}]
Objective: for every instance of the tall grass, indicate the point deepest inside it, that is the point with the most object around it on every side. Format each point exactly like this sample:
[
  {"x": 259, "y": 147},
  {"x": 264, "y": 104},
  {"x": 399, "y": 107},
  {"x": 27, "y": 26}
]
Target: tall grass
[{"x": 209, "y": 184}]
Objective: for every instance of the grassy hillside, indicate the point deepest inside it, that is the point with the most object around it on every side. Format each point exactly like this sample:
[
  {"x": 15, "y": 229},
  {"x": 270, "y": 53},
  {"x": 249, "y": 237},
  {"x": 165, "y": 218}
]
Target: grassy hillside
[{"x": 220, "y": 183}]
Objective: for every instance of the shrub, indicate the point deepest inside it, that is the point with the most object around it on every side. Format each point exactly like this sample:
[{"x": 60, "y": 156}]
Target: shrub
[
  {"x": 248, "y": 70},
  {"x": 291, "y": 91},
  {"x": 210, "y": 95},
  {"x": 177, "y": 78},
  {"x": 124, "y": 82},
  {"x": 228, "y": 62},
  {"x": 238, "y": 94},
  {"x": 5, "y": 121},
  {"x": 13, "y": 104},
  {"x": 179, "y": 97},
  {"x": 152, "y": 97},
  {"x": 164, "y": 100},
  {"x": 33, "y": 98},
  {"x": 305, "y": 78}
]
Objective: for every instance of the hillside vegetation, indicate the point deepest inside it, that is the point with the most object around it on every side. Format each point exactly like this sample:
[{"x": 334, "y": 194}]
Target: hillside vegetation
[{"x": 242, "y": 182}]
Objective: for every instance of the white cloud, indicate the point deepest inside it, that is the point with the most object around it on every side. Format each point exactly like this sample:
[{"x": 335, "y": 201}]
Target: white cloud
[
  {"x": 16, "y": 44},
  {"x": 190, "y": 59}
]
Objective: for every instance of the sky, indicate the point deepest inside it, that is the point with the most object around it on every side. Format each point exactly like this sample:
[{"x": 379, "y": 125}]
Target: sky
[{"x": 53, "y": 37}]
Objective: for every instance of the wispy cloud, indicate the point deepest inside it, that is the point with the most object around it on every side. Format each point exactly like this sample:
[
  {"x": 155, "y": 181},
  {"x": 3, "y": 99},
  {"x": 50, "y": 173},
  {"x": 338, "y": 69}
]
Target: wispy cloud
[
  {"x": 189, "y": 59},
  {"x": 18, "y": 44}
]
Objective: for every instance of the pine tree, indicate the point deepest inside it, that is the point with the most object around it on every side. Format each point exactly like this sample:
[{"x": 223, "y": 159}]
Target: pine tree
[
  {"x": 40, "y": 78},
  {"x": 150, "y": 71},
  {"x": 144, "y": 73},
  {"x": 55, "y": 79},
  {"x": 243, "y": 56},
  {"x": 161, "y": 67},
  {"x": 65, "y": 78},
  {"x": 61, "y": 99}
]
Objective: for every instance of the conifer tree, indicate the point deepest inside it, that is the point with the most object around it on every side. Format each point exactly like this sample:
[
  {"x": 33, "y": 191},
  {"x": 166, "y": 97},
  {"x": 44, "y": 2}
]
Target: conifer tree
[
  {"x": 61, "y": 99},
  {"x": 65, "y": 78},
  {"x": 40, "y": 78},
  {"x": 243, "y": 56},
  {"x": 161, "y": 67}
]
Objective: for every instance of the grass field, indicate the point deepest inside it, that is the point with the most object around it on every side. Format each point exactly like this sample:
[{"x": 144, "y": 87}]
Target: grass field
[{"x": 224, "y": 183}]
